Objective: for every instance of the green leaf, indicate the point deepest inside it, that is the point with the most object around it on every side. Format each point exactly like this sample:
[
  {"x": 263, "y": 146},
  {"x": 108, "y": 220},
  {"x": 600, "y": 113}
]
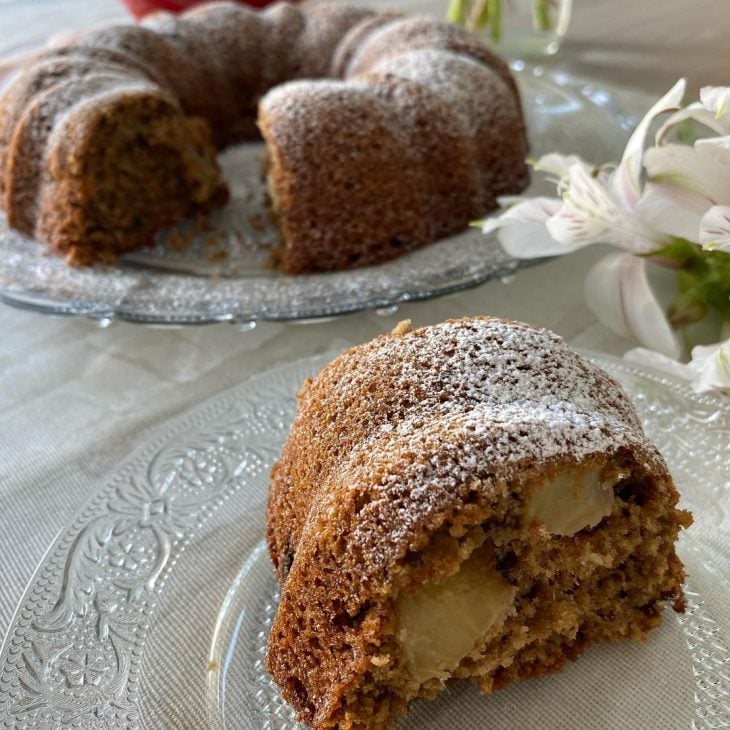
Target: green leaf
[
  {"x": 686, "y": 309},
  {"x": 680, "y": 252},
  {"x": 482, "y": 16},
  {"x": 703, "y": 282}
]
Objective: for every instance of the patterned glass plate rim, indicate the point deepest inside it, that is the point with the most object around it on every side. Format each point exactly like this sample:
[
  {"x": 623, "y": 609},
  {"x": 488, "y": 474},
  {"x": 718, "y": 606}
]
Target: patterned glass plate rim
[
  {"x": 74, "y": 651},
  {"x": 224, "y": 274}
]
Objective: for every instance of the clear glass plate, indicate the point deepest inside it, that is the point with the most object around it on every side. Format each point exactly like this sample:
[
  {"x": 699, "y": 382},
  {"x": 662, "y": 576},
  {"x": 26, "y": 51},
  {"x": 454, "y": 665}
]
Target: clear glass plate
[
  {"x": 140, "y": 614},
  {"x": 224, "y": 274}
]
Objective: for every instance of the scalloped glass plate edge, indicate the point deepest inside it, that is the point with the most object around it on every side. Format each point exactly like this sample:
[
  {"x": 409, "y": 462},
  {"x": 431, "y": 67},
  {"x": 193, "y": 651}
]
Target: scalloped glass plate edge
[{"x": 35, "y": 302}]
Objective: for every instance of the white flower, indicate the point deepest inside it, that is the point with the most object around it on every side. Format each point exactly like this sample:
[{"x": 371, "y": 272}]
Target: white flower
[
  {"x": 557, "y": 165},
  {"x": 617, "y": 291},
  {"x": 598, "y": 205},
  {"x": 664, "y": 204},
  {"x": 657, "y": 361},
  {"x": 627, "y": 182},
  {"x": 686, "y": 182},
  {"x": 716, "y": 99},
  {"x": 709, "y": 369},
  {"x": 592, "y": 213},
  {"x": 712, "y": 111},
  {"x": 712, "y": 363},
  {"x": 703, "y": 169},
  {"x": 522, "y": 230}
]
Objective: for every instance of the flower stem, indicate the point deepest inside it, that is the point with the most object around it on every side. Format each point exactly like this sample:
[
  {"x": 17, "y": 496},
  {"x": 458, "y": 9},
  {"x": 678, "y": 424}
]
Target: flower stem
[
  {"x": 703, "y": 278},
  {"x": 541, "y": 16},
  {"x": 495, "y": 19},
  {"x": 457, "y": 11},
  {"x": 479, "y": 15}
]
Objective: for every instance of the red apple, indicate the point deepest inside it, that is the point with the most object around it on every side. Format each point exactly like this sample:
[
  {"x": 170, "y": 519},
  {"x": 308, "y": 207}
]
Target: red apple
[{"x": 140, "y": 8}]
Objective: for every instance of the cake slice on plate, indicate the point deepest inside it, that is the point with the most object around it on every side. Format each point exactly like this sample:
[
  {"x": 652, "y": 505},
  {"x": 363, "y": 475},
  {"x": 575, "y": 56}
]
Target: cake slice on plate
[{"x": 471, "y": 500}]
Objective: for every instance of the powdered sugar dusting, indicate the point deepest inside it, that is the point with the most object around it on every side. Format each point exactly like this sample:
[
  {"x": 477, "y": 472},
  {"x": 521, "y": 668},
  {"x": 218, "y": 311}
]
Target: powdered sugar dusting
[
  {"x": 305, "y": 106},
  {"x": 481, "y": 402},
  {"x": 470, "y": 88}
]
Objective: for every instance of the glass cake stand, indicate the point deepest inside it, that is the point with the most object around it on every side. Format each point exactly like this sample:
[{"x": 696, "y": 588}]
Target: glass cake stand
[{"x": 225, "y": 273}]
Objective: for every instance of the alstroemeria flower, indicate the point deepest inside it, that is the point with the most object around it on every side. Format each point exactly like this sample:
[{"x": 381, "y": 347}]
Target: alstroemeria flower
[
  {"x": 712, "y": 363},
  {"x": 716, "y": 99},
  {"x": 598, "y": 205},
  {"x": 627, "y": 181},
  {"x": 709, "y": 369},
  {"x": 522, "y": 230},
  {"x": 712, "y": 111},
  {"x": 686, "y": 182},
  {"x": 617, "y": 291},
  {"x": 593, "y": 213}
]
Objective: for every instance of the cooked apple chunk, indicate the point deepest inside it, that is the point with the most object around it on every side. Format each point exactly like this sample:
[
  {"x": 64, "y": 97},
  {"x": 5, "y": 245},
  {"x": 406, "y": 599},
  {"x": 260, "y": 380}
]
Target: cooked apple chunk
[
  {"x": 443, "y": 622},
  {"x": 573, "y": 501}
]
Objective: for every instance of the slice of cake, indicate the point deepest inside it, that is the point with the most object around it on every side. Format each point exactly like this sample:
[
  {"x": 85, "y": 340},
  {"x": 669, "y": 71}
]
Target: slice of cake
[{"x": 470, "y": 500}]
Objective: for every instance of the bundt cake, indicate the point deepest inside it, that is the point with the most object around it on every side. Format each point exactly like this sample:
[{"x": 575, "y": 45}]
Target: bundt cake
[
  {"x": 411, "y": 131},
  {"x": 471, "y": 500}
]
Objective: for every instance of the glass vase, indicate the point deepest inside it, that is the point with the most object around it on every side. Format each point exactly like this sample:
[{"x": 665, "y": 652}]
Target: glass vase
[{"x": 518, "y": 29}]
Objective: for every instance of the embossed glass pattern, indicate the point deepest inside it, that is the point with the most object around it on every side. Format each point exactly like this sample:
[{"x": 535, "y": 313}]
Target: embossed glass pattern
[
  {"x": 100, "y": 637},
  {"x": 224, "y": 274}
]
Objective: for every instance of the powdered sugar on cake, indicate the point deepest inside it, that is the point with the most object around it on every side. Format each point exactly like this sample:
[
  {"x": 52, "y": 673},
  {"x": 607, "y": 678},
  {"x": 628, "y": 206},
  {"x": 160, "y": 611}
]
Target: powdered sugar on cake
[{"x": 488, "y": 402}]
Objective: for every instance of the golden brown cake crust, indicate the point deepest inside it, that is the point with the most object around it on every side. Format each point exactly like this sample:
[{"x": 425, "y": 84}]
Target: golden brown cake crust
[
  {"x": 402, "y": 451},
  {"x": 146, "y": 107},
  {"x": 418, "y": 138}
]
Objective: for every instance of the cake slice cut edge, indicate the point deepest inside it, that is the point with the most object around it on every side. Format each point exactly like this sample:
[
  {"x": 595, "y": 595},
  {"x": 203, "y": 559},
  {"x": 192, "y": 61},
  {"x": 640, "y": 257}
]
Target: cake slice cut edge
[{"x": 511, "y": 590}]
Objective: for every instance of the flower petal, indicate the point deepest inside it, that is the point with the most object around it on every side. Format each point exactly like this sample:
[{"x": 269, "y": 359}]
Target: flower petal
[
  {"x": 627, "y": 180},
  {"x": 521, "y": 209},
  {"x": 522, "y": 231},
  {"x": 712, "y": 365},
  {"x": 590, "y": 215},
  {"x": 649, "y": 358},
  {"x": 557, "y": 164},
  {"x": 692, "y": 111},
  {"x": 716, "y": 99},
  {"x": 715, "y": 229},
  {"x": 673, "y": 210},
  {"x": 703, "y": 169},
  {"x": 617, "y": 291},
  {"x": 706, "y": 145}
]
